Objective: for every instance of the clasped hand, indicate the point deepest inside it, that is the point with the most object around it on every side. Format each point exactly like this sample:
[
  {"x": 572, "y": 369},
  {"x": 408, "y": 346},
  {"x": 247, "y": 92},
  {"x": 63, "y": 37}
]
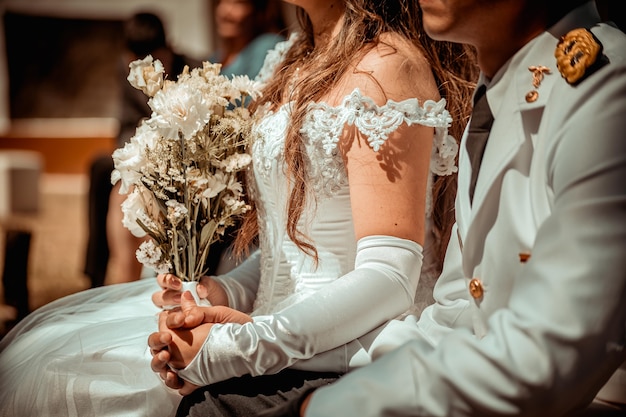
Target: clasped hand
[{"x": 183, "y": 330}]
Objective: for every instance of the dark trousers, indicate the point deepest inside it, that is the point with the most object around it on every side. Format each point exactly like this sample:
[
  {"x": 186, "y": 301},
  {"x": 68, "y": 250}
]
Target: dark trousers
[
  {"x": 247, "y": 396},
  {"x": 97, "y": 256},
  {"x": 15, "y": 271}
]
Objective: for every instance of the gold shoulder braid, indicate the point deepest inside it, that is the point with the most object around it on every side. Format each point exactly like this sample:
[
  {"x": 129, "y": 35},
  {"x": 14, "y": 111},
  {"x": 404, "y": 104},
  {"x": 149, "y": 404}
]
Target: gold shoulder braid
[{"x": 578, "y": 54}]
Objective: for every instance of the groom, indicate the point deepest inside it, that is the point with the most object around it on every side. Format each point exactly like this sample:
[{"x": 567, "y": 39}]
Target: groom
[
  {"x": 530, "y": 317},
  {"x": 530, "y": 312}
]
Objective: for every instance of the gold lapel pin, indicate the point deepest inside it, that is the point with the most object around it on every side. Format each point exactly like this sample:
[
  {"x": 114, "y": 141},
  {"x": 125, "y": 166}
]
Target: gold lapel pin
[{"x": 538, "y": 74}]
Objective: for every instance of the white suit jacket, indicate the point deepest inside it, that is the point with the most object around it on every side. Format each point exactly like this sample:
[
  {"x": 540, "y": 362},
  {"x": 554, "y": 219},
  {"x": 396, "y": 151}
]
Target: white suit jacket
[{"x": 530, "y": 311}]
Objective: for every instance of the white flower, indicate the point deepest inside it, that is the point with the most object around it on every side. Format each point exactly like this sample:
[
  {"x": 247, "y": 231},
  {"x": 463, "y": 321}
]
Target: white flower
[
  {"x": 130, "y": 159},
  {"x": 236, "y": 162},
  {"x": 179, "y": 108},
  {"x": 146, "y": 136},
  {"x": 176, "y": 212},
  {"x": 240, "y": 113},
  {"x": 197, "y": 182},
  {"x": 150, "y": 254},
  {"x": 233, "y": 204},
  {"x": 128, "y": 162},
  {"x": 210, "y": 70},
  {"x": 146, "y": 75},
  {"x": 133, "y": 209},
  {"x": 216, "y": 184},
  {"x": 234, "y": 186},
  {"x": 246, "y": 86}
]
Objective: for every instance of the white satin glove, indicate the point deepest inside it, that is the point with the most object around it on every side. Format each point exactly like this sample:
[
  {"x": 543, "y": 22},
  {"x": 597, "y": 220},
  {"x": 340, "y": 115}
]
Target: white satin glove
[
  {"x": 381, "y": 286},
  {"x": 242, "y": 282}
]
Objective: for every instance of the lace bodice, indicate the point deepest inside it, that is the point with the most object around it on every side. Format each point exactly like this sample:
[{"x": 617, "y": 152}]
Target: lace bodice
[{"x": 287, "y": 274}]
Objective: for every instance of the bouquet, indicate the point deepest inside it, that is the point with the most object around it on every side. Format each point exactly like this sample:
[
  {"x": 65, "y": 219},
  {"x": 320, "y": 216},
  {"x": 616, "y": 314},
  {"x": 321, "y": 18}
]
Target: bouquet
[{"x": 182, "y": 169}]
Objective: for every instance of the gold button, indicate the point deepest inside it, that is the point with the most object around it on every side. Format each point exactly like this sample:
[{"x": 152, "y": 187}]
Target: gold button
[
  {"x": 524, "y": 257},
  {"x": 532, "y": 96},
  {"x": 476, "y": 288}
]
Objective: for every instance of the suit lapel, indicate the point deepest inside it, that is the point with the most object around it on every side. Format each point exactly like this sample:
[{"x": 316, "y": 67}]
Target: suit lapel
[{"x": 512, "y": 127}]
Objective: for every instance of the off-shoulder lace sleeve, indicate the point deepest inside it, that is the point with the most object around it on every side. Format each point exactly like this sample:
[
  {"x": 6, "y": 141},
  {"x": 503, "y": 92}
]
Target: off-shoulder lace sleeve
[{"x": 325, "y": 124}]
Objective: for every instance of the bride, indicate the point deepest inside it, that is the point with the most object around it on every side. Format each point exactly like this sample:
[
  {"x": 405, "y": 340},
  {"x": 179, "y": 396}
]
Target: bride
[{"x": 353, "y": 189}]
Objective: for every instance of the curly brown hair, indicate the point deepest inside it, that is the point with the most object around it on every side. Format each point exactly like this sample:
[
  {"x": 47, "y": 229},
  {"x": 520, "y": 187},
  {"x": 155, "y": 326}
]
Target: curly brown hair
[{"x": 453, "y": 66}]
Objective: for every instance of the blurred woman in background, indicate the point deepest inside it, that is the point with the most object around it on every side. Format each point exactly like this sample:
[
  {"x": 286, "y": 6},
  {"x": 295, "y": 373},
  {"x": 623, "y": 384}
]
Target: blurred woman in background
[{"x": 245, "y": 30}]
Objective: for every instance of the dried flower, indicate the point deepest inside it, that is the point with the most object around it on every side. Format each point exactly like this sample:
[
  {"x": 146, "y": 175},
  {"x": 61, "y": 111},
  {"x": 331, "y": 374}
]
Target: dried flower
[
  {"x": 146, "y": 75},
  {"x": 182, "y": 168}
]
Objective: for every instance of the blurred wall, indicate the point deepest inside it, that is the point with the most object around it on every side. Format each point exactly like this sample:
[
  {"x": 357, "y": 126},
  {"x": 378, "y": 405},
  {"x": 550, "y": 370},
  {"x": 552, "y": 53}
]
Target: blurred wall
[
  {"x": 4, "y": 86},
  {"x": 185, "y": 21}
]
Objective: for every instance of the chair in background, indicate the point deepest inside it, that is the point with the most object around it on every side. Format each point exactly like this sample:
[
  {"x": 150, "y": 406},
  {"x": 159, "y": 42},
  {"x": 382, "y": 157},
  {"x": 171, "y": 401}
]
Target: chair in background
[{"x": 19, "y": 202}]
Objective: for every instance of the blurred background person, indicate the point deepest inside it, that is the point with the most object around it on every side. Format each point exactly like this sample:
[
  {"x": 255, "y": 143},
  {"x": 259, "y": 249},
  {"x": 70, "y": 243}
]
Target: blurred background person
[{"x": 245, "y": 30}]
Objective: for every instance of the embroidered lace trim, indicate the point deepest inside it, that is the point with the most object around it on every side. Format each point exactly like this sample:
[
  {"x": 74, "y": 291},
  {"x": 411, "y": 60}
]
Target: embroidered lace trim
[{"x": 324, "y": 124}]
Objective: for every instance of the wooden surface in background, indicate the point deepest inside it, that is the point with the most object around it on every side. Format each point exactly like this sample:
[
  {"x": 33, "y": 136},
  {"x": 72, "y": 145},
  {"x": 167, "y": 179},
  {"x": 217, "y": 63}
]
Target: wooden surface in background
[
  {"x": 67, "y": 146},
  {"x": 62, "y": 155}
]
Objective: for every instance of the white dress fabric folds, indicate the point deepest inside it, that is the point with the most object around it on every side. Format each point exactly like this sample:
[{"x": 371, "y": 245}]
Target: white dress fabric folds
[{"x": 85, "y": 355}]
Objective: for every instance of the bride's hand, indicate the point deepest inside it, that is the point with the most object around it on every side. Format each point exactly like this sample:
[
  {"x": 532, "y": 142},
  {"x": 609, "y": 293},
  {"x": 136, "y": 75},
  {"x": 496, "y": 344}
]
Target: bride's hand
[
  {"x": 159, "y": 343},
  {"x": 163, "y": 347},
  {"x": 171, "y": 289},
  {"x": 191, "y": 315},
  {"x": 181, "y": 335},
  {"x": 190, "y": 326}
]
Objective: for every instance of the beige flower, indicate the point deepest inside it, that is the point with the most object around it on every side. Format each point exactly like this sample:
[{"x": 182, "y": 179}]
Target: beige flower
[{"x": 146, "y": 75}]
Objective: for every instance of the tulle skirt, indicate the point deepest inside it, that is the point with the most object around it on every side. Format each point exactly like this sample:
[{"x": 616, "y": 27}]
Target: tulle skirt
[{"x": 86, "y": 355}]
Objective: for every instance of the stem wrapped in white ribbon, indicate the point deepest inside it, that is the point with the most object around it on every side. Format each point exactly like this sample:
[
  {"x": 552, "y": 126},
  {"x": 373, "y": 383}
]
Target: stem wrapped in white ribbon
[{"x": 191, "y": 286}]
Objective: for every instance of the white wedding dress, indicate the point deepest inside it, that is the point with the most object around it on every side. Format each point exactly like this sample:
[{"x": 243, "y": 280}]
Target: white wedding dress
[{"x": 87, "y": 355}]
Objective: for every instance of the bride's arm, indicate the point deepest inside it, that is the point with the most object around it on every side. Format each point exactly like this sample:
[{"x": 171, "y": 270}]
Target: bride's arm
[
  {"x": 388, "y": 188},
  {"x": 241, "y": 283}
]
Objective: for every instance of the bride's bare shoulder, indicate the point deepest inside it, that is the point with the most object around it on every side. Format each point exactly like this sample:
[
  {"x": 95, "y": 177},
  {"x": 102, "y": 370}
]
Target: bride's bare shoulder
[{"x": 394, "y": 69}]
